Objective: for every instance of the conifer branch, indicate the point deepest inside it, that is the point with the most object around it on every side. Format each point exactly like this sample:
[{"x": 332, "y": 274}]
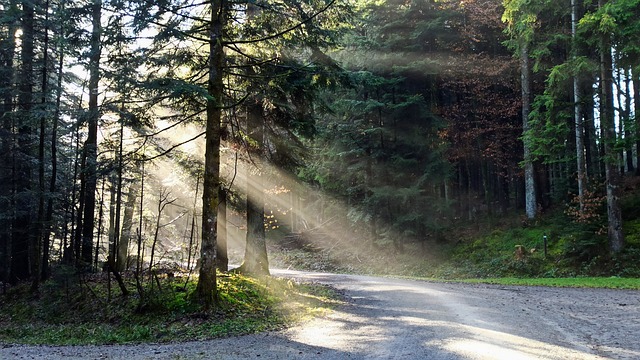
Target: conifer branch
[
  {"x": 174, "y": 147},
  {"x": 252, "y": 41}
]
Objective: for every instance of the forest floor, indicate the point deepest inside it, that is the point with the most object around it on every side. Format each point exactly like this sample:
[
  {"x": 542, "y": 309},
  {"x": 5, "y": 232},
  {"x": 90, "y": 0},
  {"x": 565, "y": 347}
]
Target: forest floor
[{"x": 393, "y": 318}]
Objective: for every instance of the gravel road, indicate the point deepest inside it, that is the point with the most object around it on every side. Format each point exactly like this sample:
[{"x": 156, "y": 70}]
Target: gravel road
[{"x": 389, "y": 318}]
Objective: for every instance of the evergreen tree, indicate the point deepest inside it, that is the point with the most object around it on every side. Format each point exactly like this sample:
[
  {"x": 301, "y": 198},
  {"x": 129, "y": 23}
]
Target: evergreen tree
[
  {"x": 8, "y": 27},
  {"x": 381, "y": 137},
  {"x": 613, "y": 182}
]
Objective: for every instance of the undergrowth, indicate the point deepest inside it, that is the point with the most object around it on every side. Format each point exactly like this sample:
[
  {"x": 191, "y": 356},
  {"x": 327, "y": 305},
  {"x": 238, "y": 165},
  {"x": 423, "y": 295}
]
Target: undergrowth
[
  {"x": 72, "y": 310},
  {"x": 500, "y": 246}
]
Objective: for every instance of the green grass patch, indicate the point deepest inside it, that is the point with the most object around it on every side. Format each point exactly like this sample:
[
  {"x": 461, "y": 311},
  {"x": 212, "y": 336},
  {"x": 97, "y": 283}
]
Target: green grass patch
[
  {"x": 70, "y": 310},
  {"x": 578, "y": 282}
]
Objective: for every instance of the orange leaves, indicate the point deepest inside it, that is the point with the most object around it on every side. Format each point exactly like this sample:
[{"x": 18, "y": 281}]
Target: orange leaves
[{"x": 592, "y": 209}]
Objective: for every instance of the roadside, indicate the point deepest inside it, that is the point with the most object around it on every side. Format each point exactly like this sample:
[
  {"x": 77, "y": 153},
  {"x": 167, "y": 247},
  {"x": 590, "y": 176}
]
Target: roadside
[{"x": 392, "y": 319}]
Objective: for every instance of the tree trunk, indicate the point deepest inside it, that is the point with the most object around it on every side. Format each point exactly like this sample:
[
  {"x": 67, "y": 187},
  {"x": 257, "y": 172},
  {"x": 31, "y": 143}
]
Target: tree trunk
[
  {"x": 635, "y": 73},
  {"x": 628, "y": 134},
  {"x": 163, "y": 201},
  {"x": 206, "y": 290},
  {"x": 76, "y": 240},
  {"x": 616, "y": 237},
  {"x": 590, "y": 137},
  {"x": 529, "y": 174},
  {"x": 139, "y": 234},
  {"x": 127, "y": 225},
  {"x": 114, "y": 253},
  {"x": 91, "y": 144},
  {"x": 111, "y": 233},
  {"x": 193, "y": 229},
  {"x": 54, "y": 160},
  {"x": 622, "y": 119},
  {"x": 255, "y": 256},
  {"x": 24, "y": 234},
  {"x": 577, "y": 114},
  {"x": 7, "y": 71},
  {"x": 100, "y": 222},
  {"x": 223, "y": 257}
]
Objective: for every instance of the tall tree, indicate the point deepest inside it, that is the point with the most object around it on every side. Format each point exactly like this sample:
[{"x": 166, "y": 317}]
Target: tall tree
[
  {"x": 577, "y": 111},
  {"x": 90, "y": 177},
  {"x": 607, "y": 121},
  {"x": 255, "y": 258},
  {"x": 24, "y": 233},
  {"x": 521, "y": 23},
  {"x": 600, "y": 28},
  {"x": 206, "y": 289},
  {"x": 8, "y": 27}
]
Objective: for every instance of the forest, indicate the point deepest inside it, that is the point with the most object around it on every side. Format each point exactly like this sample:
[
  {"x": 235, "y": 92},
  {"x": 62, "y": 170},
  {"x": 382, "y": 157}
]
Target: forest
[{"x": 143, "y": 138}]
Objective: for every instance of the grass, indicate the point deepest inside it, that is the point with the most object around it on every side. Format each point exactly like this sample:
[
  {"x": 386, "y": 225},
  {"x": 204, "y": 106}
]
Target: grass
[
  {"x": 80, "y": 311},
  {"x": 577, "y": 282}
]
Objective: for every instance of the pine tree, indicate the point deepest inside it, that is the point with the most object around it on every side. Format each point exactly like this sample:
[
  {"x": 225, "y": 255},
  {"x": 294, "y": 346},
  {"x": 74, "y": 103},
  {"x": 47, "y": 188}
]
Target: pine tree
[
  {"x": 8, "y": 28},
  {"x": 616, "y": 236}
]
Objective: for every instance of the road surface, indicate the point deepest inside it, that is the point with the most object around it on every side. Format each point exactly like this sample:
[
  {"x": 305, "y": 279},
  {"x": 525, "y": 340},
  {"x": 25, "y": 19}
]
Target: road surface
[{"x": 387, "y": 318}]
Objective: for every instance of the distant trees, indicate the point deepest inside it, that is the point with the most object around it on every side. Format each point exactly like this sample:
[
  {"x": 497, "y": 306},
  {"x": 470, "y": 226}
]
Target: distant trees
[
  {"x": 445, "y": 71},
  {"x": 426, "y": 131},
  {"x": 579, "y": 98}
]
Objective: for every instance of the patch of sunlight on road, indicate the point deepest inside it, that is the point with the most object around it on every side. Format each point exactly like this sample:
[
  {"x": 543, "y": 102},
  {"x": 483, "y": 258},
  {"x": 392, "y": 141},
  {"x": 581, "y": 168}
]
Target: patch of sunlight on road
[
  {"x": 338, "y": 334},
  {"x": 354, "y": 334},
  {"x": 483, "y": 344}
]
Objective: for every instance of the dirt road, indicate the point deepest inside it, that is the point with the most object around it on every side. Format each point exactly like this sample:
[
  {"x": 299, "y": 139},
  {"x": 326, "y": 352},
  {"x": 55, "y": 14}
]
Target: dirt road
[{"x": 403, "y": 319}]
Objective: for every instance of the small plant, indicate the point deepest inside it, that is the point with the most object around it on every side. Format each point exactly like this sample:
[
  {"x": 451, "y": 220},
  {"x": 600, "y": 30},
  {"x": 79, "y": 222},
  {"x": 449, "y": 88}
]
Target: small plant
[{"x": 592, "y": 211}]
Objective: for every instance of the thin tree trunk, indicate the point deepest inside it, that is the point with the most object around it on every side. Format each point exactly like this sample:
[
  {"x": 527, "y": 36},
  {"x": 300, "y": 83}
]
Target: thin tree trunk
[
  {"x": 193, "y": 229},
  {"x": 620, "y": 111},
  {"x": 223, "y": 257},
  {"x": 24, "y": 234},
  {"x": 111, "y": 234},
  {"x": 7, "y": 74},
  {"x": 635, "y": 73},
  {"x": 577, "y": 114},
  {"x": 627, "y": 121},
  {"x": 113, "y": 255},
  {"x": 163, "y": 201},
  {"x": 113, "y": 231},
  {"x": 591, "y": 139},
  {"x": 616, "y": 236},
  {"x": 139, "y": 235},
  {"x": 100, "y": 227},
  {"x": 76, "y": 240},
  {"x": 529, "y": 173},
  {"x": 127, "y": 224}
]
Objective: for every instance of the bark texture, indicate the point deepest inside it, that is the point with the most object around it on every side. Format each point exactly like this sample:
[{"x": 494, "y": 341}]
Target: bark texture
[
  {"x": 206, "y": 289},
  {"x": 529, "y": 171}
]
